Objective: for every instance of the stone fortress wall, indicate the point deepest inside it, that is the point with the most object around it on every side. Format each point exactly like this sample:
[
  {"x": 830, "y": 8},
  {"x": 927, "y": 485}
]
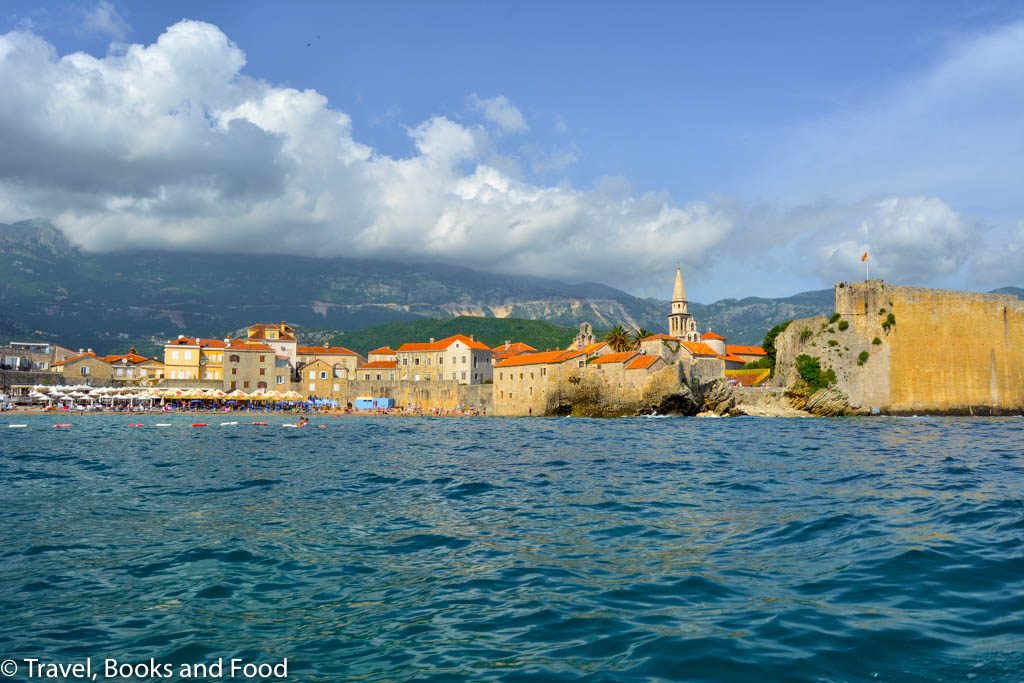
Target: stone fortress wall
[{"x": 943, "y": 352}]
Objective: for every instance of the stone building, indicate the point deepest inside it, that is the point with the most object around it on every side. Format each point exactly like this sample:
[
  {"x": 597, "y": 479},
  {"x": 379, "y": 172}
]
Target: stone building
[
  {"x": 250, "y": 365},
  {"x": 457, "y": 358},
  {"x": 378, "y": 370},
  {"x": 194, "y": 358},
  {"x": 280, "y": 337},
  {"x": 342, "y": 361},
  {"x": 32, "y": 356},
  {"x": 526, "y": 384},
  {"x": 381, "y": 353}
]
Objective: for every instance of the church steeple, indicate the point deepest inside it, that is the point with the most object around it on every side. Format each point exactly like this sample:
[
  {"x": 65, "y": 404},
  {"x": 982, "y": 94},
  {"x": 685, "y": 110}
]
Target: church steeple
[
  {"x": 680, "y": 323},
  {"x": 679, "y": 292}
]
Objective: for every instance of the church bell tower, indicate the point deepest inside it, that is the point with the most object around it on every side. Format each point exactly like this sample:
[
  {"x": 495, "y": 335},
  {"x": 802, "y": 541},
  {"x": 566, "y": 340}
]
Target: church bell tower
[{"x": 680, "y": 323}]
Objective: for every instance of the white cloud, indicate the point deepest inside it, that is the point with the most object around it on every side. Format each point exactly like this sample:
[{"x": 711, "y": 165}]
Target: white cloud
[
  {"x": 501, "y": 112},
  {"x": 104, "y": 20},
  {"x": 914, "y": 240},
  {"x": 169, "y": 145}
]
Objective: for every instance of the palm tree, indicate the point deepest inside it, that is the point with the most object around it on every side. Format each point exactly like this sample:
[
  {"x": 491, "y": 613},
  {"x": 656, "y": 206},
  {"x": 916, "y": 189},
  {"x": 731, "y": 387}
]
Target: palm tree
[
  {"x": 618, "y": 338},
  {"x": 639, "y": 335}
]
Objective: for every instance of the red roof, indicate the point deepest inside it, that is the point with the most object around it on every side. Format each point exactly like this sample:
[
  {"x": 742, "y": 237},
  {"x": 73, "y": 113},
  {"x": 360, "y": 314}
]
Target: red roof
[
  {"x": 382, "y": 351},
  {"x": 711, "y": 335},
  {"x": 284, "y": 332},
  {"x": 195, "y": 341},
  {"x": 642, "y": 362},
  {"x": 324, "y": 351},
  {"x": 132, "y": 358},
  {"x": 620, "y": 357},
  {"x": 666, "y": 337},
  {"x": 518, "y": 347},
  {"x": 379, "y": 364},
  {"x": 748, "y": 378},
  {"x": 733, "y": 359},
  {"x": 594, "y": 348},
  {"x": 745, "y": 350},
  {"x": 540, "y": 358},
  {"x": 87, "y": 354},
  {"x": 699, "y": 349},
  {"x": 243, "y": 345},
  {"x": 443, "y": 344}
]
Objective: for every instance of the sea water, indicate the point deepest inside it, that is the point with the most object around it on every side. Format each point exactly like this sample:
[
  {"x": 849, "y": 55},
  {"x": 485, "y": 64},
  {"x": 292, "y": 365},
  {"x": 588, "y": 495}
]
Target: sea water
[{"x": 533, "y": 549}]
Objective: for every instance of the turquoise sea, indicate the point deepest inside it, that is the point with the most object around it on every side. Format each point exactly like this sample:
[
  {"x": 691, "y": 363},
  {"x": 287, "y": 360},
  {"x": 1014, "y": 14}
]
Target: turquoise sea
[{"x": 520, "y": 550}]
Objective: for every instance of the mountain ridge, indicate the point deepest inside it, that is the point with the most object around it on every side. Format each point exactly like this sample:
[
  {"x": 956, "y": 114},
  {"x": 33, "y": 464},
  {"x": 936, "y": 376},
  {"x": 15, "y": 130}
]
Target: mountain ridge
[{"x": 51, "y": 289}]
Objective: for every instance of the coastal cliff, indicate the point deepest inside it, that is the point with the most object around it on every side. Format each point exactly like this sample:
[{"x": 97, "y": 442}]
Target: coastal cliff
[{"x": 906, "y": 350}]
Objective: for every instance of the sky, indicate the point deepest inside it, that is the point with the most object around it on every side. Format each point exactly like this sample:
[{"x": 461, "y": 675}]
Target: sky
[{"x": 764, "y": 147}]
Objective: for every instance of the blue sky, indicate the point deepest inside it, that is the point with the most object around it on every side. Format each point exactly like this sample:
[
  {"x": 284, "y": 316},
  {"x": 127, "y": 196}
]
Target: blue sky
[{"x": 764, "y": 146}]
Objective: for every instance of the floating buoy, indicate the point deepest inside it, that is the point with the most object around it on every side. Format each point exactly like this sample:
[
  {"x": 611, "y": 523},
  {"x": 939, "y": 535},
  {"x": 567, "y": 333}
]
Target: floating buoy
[
  {"x": 136, "y": 424},
  {"x": 260, "y": 424},
  {"x": 16, "y": 426},
  {"x": 227, "y": 424},
  {"x": 198, "y": 424},
  {"x": 323, "y": 426},
  {"x": 163, "y": 424},
  {"x": 62, "y": 426}
]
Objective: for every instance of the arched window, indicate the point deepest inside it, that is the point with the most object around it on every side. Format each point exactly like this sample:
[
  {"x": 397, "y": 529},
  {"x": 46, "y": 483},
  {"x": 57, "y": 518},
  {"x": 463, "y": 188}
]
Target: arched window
[
  {"x": 234, "y": 358},
  {"x": 261, "y": 385}
]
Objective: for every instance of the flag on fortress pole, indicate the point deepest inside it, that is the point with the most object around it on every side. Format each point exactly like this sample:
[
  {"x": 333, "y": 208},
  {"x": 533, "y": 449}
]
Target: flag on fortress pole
[{"x": 867, "y": 266}]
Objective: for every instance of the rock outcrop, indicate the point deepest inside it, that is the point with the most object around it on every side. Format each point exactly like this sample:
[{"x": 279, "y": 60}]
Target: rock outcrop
[{"x": 831, "y": 402}]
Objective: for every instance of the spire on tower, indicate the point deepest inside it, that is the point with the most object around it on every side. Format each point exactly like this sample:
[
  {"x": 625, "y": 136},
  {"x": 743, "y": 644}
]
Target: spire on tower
[{"x": 679, "y": 292}]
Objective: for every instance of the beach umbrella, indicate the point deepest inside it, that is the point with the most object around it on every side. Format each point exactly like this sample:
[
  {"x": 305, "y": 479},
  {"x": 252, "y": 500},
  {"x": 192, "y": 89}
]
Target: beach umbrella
[
  {"x": 238, "y": 395},
  {"x": 217, "y": 393}
]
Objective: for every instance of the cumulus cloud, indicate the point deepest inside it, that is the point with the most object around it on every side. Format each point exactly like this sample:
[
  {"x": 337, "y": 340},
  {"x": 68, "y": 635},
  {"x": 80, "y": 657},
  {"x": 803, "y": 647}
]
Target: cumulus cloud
[
  {"x": 501, "y": 112},
  {"x": 909, "y": 240},
  {"x": 104, "y": 20},
  {"x": 171, "y": 145}
]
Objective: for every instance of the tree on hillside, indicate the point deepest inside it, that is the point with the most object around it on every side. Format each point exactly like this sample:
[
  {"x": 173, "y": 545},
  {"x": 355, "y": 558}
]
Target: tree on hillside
[
  {"x": 769, "y": 343},
  {"x": 619, "y": 339},
  {"x": 639, "y": 335}
]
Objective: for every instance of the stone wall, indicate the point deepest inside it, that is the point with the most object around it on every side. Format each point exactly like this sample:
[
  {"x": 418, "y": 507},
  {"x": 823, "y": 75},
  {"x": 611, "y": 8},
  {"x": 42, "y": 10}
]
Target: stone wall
[
  {"x": 426, "y": 396},
  {"x": 944, "y": 352}
]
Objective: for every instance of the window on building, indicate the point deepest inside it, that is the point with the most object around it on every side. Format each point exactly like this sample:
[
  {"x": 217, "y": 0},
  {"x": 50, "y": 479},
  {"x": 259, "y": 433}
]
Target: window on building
[
  {"x": 280, "y": 379},
  {"x": 234, "y": 385},
  {"x": 543, "y": 372},
  {"x": 86, "y": 370},
  {"x": 188, "y": 355},
  {"x": 405, "y": 361},
  {"x": 323, "y": 374},
  {"x": 502, "y": 393},
  {"x": 391, "y": 376},
  {"x": 531, "y": 391},
  {"x": 261, "y": 385},
  {"x": 378, "y": 376},
  {"x": 520, "y": 375},
  {"x": 312, "y": 387},
  {"x": 337, "y": 387},
  {"x": 440, "y": 361},
  {"x": 367, "y": 376},
  {"x": 415, "y": 361},
  {"x": 474, "y": 361},
  {"x": 531, "y": 375},
  {"x": 262, "y": 358},
  {"x": 245, "y": 384},
  {"x": 234, "y": 358},
  {"x": 463, "y": 360},
  {"x": 312, "y": 374},
  {"x": 263, "y": 371},
  {"x": 234, "y": 371}
]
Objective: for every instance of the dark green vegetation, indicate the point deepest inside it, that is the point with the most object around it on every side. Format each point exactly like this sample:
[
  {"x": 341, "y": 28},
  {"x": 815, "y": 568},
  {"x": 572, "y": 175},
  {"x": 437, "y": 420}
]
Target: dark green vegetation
[
  {"x": 835, "y": 317},
  {"x": 539, "y": 334},
  {"x": 862, "y": 357},
  {"x": 843, "y": 324},
  {"x": 876, "y": 341},
  {"x": 811, "y": 373},
  {"x": 768, "y": 344}
]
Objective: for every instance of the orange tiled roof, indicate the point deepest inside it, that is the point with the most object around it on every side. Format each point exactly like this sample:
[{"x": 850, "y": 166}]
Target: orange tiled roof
[
  {"x": 642, "y": 362},
  {"x": 379, "y": 364},
  {"x": 620, "y": 357},
  {"x": 443, "y": 344},
  {"x": 540, "y": 358},
  {"x": 195, "y": 341},
  {"x": 699, "y": 349},
  {"x": 593, "y": 348},
  {"x": 711, "y": 335},
  {"x": 733, "y": 359},
  {"x": 132, "y": 358},
  {"x": 284, "y": 332},
  {"x": 243, "y": 345},
  {"x": 382, "y": 351},
  {"x": 736, "y": 349},
  {"x": 324, "y": 351},
  {"x": 666, "y": 337},
  {"x": 518, "y": 347},
  {"x": 87, "y": 354}
]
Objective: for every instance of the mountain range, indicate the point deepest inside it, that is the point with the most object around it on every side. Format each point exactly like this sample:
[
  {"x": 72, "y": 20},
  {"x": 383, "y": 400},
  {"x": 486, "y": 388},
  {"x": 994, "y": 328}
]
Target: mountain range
[{"x": 50, "y": 289}]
